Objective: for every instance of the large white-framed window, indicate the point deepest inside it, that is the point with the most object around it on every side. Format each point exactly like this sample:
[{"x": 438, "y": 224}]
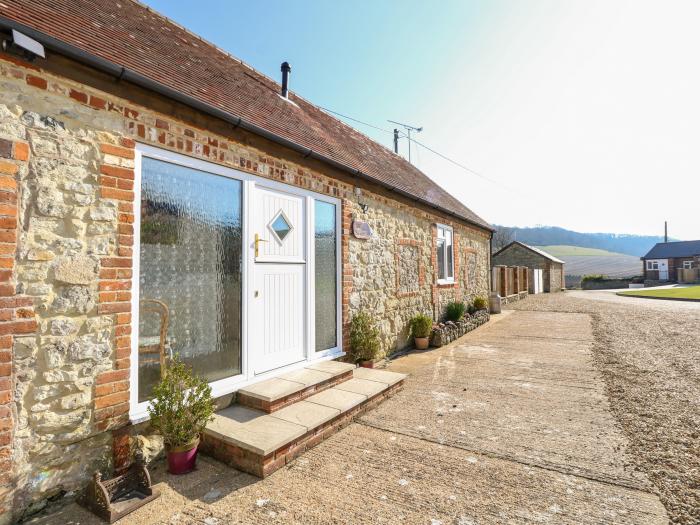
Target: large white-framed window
[
  {"x": 193, "y": 252},
  {"x": 652, "y": 265},
  {"x": 687, "y": 265},
  {"x": 445, "y": 254}
]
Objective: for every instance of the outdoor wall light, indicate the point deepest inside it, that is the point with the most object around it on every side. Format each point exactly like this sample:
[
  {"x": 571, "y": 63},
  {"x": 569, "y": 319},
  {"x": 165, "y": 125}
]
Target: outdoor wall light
[
  {"x": 358, "y": 194},
  {"x": 21, "y": 44}
]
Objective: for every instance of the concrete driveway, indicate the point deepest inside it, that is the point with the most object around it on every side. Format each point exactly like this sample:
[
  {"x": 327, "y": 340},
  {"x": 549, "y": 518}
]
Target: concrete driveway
[{"x": 507, "y": 425}]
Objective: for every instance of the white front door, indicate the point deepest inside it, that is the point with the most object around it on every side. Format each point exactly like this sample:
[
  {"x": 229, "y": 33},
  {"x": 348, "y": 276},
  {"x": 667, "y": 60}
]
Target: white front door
[
  {"x": 663, "y": 269},
  {"x": 279, "y": 313},
  {"x": 537, "y": 280}
]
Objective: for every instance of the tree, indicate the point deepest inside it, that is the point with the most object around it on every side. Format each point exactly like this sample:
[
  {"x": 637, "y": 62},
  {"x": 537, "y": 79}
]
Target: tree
[{"x": 502, "y": 237}]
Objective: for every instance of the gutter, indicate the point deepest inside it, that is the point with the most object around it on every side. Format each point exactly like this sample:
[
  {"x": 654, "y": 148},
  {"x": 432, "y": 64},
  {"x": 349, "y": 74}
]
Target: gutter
[{"x": 122, "y": 73}]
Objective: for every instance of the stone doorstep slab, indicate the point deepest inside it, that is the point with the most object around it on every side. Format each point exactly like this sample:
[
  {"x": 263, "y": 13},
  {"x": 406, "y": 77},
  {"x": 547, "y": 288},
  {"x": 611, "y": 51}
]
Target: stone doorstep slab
[
  {"x": 260, "y": 443},
  {"x": 275, "y": 393},
  {"x": 362, "y": 387},
  {"x": 381, "y": 376},
  {"x": 253, "y": 430}
]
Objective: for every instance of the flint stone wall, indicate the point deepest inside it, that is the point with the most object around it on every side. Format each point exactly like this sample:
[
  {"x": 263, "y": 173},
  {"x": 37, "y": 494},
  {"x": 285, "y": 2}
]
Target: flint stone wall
[{"x": 70, "y": 379}]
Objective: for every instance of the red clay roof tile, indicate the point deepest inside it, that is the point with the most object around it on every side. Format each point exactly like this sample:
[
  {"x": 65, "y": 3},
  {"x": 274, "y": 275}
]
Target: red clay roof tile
[{"x": 135, "y": 37}]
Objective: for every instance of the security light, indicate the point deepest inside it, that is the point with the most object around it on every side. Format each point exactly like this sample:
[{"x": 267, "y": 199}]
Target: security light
[{"x": 30, "y": 47}]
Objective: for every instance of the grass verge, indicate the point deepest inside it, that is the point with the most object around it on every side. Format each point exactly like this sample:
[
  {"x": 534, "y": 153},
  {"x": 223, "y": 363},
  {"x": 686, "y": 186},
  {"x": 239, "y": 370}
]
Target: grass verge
[{"x": 689, "y": 293}]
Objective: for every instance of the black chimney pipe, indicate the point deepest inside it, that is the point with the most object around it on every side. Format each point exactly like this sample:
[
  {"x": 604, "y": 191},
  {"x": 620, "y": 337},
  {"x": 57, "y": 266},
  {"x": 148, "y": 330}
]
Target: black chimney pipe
[
  {"x": 286, "y": 70},
  {"x": 665, "y": 231}
]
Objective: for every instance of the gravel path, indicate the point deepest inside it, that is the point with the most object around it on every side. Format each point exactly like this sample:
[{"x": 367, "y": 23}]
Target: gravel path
[{"x": 649, "y": 354}]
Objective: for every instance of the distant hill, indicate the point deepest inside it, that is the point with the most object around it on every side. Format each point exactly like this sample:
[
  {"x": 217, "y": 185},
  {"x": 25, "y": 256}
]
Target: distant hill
[
  {"x": 636, "y": 245},
  {"x": 562, "y": 250},
  {"x": 586, "y": 261}
]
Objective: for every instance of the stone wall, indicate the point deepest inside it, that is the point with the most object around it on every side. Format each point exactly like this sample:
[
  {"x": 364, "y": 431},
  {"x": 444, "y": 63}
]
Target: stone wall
[
  {"x": 66, "y": 235},
  {"x": 393, "y": 272},
  {"x": 516, "y": 255},
  {"x": 555, "y": 277},
  {"x": 605, "y": 284}
]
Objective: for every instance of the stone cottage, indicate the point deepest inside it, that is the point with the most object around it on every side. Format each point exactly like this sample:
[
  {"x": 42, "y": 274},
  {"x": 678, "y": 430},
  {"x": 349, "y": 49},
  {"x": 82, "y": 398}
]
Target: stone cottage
[
  {"x": 149, "y": 181},
  {"x": 543, "y": 267}
]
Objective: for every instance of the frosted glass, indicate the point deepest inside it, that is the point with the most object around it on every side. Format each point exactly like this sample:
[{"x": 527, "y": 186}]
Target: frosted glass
[
  {"x": 441, "y": 259},
  {"x": 190, "y": 261},
  {"x": 325, "y": 275}
]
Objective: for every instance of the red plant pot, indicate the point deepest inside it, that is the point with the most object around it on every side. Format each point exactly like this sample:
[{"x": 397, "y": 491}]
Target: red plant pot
[
  {"x": 422, "y": 343},
  {"x": 367, "y": 364},
  {"x": 182, "y": 460}
]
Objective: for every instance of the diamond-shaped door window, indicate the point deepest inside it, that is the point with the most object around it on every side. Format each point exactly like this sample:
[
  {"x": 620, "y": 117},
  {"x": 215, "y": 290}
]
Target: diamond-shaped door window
[{"x": 280, "y": 226}]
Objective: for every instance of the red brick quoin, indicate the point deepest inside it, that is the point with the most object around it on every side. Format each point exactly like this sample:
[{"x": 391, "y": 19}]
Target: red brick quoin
[
  {"x": 114, "y": 298},
  {"x": 16, "y": 311}
]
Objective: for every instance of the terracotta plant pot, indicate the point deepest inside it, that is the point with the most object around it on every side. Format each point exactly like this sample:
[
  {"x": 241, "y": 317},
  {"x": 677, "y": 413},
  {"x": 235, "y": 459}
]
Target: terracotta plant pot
[
  {"x": 367, "y": 364},
  {"x": 422, "y": 343},
  {"x": 183, "y": 459}
]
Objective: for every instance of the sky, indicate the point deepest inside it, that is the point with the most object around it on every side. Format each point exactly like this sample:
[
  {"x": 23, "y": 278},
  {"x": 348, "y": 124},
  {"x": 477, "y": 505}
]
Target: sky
[{"x": 581, "y": 114}]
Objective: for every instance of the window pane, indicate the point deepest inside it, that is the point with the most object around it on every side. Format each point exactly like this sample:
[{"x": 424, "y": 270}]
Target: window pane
[
  {"x": 281, "y": 227},
  {"x": 190, "y": 269},
  {"x": 441, "y": 258},
  {"x": 450, "y": 266},
  {"x": 325, "y": 275}
]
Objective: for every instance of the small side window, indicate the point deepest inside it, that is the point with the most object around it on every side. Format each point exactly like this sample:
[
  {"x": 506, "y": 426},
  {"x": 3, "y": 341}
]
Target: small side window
[{"x": 445, "y": 254}]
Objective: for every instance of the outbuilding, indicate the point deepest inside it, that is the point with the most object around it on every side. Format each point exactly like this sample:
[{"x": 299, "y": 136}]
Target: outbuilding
[{"x": 543, "y": 267}]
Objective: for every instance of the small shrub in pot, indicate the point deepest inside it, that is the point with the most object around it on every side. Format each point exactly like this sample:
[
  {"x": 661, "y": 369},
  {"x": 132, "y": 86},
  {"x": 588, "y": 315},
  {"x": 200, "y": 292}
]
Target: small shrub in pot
[
  {"x": 421, "y": 327},
  {"x": 180, "y": 410},
  {"x": 455, "y": 310},
  {"x": 364, "y": 338}
]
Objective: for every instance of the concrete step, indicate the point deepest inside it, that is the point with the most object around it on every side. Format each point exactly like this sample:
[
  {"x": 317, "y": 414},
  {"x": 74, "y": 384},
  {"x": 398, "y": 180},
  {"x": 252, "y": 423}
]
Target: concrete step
[
  {"x": 259, "y": 443},
  {"x": 276, "y": 393}
]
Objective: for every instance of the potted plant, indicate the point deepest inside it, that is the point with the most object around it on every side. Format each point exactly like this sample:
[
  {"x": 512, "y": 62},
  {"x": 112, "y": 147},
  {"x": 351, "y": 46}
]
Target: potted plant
[
  {"x": 364, "y": 339},
  {"x": 181, "y": 408},
  {"x": 421, "y": 327}
]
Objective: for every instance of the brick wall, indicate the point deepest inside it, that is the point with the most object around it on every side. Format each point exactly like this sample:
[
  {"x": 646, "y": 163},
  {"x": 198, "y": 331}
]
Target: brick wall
[
  {"x": 116, "y": 183},
  {"x": 16, "y": 310}
]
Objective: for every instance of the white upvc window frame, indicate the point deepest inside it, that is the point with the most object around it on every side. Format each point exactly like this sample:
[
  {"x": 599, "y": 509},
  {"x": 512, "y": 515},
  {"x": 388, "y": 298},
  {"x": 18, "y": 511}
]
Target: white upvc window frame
[
  {"x": 138, "y": 411},
  {"x": 687, "y": 265},
  {"x": 448, "y": 263},
  {"x": 652, "y": 265}
]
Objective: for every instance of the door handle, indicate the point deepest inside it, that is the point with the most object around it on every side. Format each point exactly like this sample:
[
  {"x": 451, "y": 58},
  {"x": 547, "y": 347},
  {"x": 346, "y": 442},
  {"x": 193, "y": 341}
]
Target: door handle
[{"x": 258, "y": 240}]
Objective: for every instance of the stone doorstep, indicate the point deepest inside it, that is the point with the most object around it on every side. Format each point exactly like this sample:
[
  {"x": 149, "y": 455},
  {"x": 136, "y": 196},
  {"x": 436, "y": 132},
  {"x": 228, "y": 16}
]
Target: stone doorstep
[
  {"x": 260, "y": 443},
  {"x": 281, "y": 391}
]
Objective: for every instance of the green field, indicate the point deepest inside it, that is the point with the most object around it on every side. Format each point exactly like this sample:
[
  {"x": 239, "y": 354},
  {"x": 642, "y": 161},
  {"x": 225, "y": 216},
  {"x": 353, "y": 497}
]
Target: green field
[
  {"x": 562, "y": 250},
  {"x": 690, "y": 292}
]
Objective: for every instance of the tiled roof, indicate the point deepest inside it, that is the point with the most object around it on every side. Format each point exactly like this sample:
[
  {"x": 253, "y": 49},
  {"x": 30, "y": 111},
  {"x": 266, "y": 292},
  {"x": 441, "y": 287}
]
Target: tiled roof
[
  {"x": 670, "y": 250},
  {"x": 532, "y": 249},
  {"x": 131, "y": 35}
]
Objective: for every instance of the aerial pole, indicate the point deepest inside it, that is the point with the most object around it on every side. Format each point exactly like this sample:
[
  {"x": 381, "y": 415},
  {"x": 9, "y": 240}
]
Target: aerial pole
[{"x": 408, "y": 129}]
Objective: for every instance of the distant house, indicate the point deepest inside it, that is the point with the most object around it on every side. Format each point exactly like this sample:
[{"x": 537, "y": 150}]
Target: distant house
[
  {"x": 520, "y": 254},
  {"x": 665, "y": 259}
]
